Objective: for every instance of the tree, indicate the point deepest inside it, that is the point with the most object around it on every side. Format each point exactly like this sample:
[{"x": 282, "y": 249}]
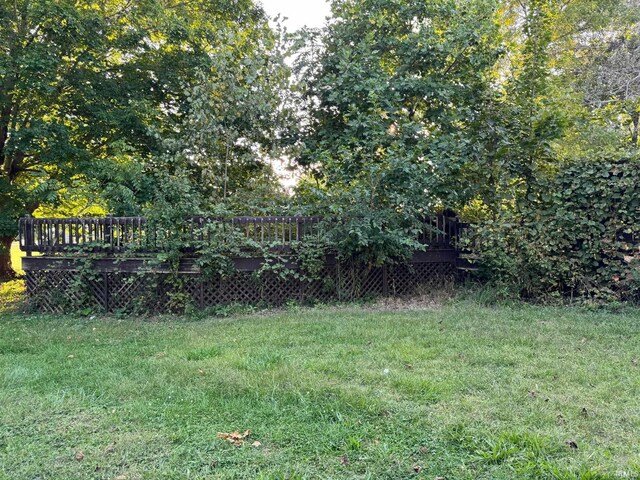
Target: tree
[
  {"x": 569, "y": 38},
  {"x": 613, "y": 80},
  {"x": 537, "y": 117},
  {"x": 87, "y": 87},
  {"x": 391, "y": 100},
  {"x": 232, "y": 127},
  {"x": 528, "y": 119}
]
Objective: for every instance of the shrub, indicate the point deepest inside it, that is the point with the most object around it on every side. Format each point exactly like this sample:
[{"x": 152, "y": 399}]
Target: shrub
[{"x": 575, "y": 234}]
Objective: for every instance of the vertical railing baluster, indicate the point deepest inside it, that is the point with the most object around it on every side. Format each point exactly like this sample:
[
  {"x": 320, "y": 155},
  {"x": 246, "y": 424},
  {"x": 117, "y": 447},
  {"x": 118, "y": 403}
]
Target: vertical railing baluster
[
  {"x": 28, "y": 224},
  {"x": 56, "y": 241},
  {"x": 49, "y": 235}
]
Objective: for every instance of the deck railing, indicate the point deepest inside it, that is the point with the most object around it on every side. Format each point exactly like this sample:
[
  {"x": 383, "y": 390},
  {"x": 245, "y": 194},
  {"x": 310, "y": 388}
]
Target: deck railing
[{"x": 126, "y": 234}]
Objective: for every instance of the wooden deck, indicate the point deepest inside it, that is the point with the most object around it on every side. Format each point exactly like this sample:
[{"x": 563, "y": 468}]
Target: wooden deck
[{"x": 111, "y": 264}]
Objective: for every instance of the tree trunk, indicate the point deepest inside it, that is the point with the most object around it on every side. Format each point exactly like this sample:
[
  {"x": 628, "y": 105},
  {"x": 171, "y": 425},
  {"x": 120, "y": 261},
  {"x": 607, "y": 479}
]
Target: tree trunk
[
  {"x": 6, "y": 271},
  {"x": 635, "y": 118}
]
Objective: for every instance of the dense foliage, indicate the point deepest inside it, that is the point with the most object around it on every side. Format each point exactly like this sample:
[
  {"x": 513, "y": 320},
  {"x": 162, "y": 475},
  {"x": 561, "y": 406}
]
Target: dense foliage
[
  {"x": 522, "y": 116},
  {"x": 393, "y": 99},
  {"x": 91, "y": 92},
  {"x": 577, "y": 235}
]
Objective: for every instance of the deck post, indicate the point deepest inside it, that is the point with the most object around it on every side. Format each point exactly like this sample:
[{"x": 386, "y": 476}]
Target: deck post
[{"x": 108, "y": 231}]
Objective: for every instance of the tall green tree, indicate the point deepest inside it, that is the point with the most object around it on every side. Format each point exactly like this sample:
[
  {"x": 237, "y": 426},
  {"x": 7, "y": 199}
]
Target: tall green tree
[
  {"x": 233, "y": 125},
  {"x": 392, "y": 98},
  {"x": 555, "y": 49},
  {"x": 531, "y": 123},
  {"x": 87, "y": 87},
  {"x": 527, "y": 121}
]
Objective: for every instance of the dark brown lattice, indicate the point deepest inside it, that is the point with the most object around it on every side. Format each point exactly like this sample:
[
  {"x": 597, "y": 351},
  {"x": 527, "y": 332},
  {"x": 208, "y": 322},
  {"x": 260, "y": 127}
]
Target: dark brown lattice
[
  {"x": 56, "y": 291},
  {"x": 404, "y": 279},
  {"x": 126, "y": 291},
  {"x": 323, "y": 289},
  {"x": 66, "y": 290}
]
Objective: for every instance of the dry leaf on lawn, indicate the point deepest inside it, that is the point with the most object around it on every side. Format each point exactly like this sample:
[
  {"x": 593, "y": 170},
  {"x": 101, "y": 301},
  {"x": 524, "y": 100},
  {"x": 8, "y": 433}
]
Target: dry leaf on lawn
[{"x": 236, "y": 437}]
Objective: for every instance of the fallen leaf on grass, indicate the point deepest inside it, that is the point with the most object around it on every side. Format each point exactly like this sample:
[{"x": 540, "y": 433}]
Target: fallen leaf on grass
[
  {"x": 236, "y": 438},
  {"x": 256, "y": 444}
]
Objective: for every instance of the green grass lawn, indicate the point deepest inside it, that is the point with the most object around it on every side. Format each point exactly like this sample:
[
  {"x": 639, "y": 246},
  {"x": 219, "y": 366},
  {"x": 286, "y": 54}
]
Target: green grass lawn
[{"x": 456, "y": 392}]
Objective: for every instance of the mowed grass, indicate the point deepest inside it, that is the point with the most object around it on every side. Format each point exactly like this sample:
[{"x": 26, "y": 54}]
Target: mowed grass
[
  {"x": 455, "y": 392},
  {"x": 12, "y": 292}
]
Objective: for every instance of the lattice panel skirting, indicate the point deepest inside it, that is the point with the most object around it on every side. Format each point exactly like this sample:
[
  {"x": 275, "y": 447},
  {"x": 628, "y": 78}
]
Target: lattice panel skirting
[
  {"x": 57, "y": 291},
  {"x": 405, "y": 279}
]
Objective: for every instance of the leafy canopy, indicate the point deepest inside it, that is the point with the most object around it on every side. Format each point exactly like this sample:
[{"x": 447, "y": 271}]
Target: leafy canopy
[{"x": 391, "y": 101}]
